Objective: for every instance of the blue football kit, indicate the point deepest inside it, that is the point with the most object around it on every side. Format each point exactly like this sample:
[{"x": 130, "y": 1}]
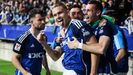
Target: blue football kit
[
  {"x": 120, "y": 42},
  {"x": 31, "y": 52},
  {"x": 73, "y": 59},
  {"x": 107, "y": 62}
]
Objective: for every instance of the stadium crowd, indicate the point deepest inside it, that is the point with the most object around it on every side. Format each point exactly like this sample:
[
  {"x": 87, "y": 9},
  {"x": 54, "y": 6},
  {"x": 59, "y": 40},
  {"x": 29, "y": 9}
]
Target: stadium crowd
[{"x": 16, "y": 12}]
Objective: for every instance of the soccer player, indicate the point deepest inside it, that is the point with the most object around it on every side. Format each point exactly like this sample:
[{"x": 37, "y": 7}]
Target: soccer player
[
  {"x": 28, "y": 54},
  {"x": 120, "y": 45},
  {"x": 104, "y": 34},
  {"x": 129, "y": 22},
  {"x": 72, "y": 60},
  {"x": 120, "y": 52},
  {"x": 76, "y": 12}
]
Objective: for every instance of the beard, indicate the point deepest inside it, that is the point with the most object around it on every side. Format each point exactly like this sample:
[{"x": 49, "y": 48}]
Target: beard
[{"x": 39, "y": 28}]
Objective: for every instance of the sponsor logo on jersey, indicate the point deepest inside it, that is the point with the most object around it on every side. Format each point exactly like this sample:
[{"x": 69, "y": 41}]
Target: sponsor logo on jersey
[
  {"x": 36, "y": 55},
  {"x": 85, "y": 32}
]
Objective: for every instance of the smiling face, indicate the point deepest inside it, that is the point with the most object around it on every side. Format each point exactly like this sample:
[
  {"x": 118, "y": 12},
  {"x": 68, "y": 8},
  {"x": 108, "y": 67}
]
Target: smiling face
[
  {"x": 92, "y": 13},
  {"x": 60, "y": 15}
]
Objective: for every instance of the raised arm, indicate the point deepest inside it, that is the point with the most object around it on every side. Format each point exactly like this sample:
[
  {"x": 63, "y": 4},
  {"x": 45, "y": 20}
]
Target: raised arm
[
  {"x": 98, "y": 48},
  {"x": 55, "y": 54},
  {"x": 94, "y": 57}
]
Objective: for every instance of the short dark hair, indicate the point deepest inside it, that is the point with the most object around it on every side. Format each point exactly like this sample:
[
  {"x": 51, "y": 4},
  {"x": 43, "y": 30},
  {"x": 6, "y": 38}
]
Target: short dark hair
[
  {"x": 97, "y": 4},
  {"x": 35, "y": 11},
  {"x": 76, "y": 6}
]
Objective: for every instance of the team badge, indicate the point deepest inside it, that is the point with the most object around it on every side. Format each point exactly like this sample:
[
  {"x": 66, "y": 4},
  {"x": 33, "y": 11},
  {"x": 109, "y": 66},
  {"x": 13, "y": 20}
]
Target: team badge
[
  {"x": 17, "y": 47},
  {"x": 85, "y": 32},
  {"x": 101, "y": 31}
]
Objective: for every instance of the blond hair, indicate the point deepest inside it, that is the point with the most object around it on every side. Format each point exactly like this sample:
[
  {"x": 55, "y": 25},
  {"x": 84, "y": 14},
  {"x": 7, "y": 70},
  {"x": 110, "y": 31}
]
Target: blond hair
[{"x": 59, "y": 4}]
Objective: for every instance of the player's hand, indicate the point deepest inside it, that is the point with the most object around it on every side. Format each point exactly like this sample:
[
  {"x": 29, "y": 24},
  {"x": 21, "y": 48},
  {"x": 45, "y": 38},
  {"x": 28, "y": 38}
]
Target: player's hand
[
  {"x": 41, "y": 38},
  {"x": 62, "y": 32},
  {"x": 58, "y": 39},
  {"x": 73, "y": 44}
]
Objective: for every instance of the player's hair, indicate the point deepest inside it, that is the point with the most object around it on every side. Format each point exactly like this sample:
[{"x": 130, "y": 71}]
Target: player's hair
[
  {"x": 97, "y": 4},
  {"x": 59, "y": 4},
  {"x": 76, "y": 6},
  {"x": 35, "y": 11}
]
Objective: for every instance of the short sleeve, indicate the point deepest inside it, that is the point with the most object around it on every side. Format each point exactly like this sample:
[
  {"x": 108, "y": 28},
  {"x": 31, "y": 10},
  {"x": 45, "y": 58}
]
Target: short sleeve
[
  {"x": 106, "y": 31},
  {"x": 118, "y": 40},
  {"x": 82, "y": 30},
  {"x": 17, "y": 47}
]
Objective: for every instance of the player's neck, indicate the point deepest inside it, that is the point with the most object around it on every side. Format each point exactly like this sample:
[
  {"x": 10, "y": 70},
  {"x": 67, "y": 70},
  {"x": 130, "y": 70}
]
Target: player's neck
[
  {"x": 67, "y": 24},
  {"x": 34, "y": 32}
]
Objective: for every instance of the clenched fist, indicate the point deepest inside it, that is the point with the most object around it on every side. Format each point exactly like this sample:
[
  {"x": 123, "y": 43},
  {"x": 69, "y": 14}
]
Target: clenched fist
[{"x": 41, "y": 38}]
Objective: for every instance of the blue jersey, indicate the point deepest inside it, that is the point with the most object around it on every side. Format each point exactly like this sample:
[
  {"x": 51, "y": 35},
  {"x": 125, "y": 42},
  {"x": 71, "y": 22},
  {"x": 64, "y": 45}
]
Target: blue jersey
[
  {"x": 73, "y": 59},
  {"x": 120, "y": 42},
  {"x": 31, "y": 52},
  {"x": 108, "y": 59}
]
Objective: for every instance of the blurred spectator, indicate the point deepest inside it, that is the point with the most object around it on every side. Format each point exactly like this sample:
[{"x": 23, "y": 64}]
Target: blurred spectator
[
  {"x": 125, "y": 4},
  {"x": 35, "y": 4},
  {"x": 68, "y": 5},
  {"x": 77, "y": 2},
  {"x": 105, "y": 7},
  {"x": 85, "y": 1},
  {"x": 6, "y": 15},
  {"x": 111, "y": 4},
  {"x": 49, "y": 18},
  {"x": 23, "y": 15},
  {"x": 129, "y": 23},
  {"x": 83, "y": 8},
  {"x": 19, "y": 6},
  {"x": 16, "y": 7}
]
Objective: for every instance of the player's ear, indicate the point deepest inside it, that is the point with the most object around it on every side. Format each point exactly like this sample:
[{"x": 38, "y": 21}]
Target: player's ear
[
  {"x": 98, "y": 13},
  {"x": 31, "y": 20}
]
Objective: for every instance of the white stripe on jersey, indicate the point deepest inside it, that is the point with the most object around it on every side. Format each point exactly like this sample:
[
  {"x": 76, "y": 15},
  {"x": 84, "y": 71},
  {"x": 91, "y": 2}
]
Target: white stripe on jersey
[
  {"x": 23, "y": 36},
  {"x": 77, "y": 23},
  {"x": 21, "y": 39},
  {"x": 18, "y": 72},
  {"x": 116, "y": 41}
]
